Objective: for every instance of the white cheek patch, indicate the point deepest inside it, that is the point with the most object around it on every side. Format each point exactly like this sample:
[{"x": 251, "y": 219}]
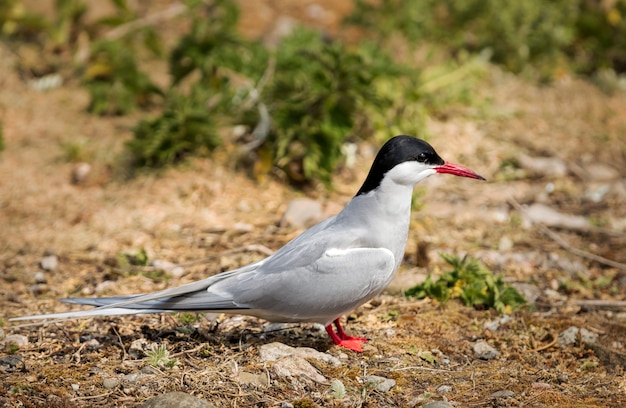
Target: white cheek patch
[{"x": 409, "y": 173}]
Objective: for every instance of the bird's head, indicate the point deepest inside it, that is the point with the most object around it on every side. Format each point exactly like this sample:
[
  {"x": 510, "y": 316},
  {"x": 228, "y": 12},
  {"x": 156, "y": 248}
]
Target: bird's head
[{"x": 406, "y": 160}]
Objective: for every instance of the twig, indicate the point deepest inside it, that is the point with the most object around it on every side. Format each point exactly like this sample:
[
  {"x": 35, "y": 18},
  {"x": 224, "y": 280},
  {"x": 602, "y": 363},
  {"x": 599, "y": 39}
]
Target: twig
[
  {"x": 152, "y": 19},
  {"x": 88, "y": 397},
  {"x": 119, "y": 338},
  {"x": 598, "y": 304},
  {"x": 563, "y": 244},
  {"x": 547, "y": 346}
]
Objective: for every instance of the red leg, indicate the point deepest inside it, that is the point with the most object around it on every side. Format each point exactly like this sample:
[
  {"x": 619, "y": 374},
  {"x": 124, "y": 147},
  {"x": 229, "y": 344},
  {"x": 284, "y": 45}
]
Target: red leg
[
  {"x": 345, "y": 336},
  {"x": 343, "y": 339}
]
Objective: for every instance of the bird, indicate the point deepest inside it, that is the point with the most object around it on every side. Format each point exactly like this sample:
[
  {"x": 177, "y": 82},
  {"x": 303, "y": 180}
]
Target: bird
[{"x": 322, "y": 274}]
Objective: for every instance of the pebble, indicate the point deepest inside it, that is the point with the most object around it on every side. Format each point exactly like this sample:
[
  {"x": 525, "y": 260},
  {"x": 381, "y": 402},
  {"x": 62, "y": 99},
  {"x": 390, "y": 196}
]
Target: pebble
[
  {"x": 380, "y": 384},
  {"x": 502, "y": 394},
  {"x": 571, "y": 335},
  {"x": 438, "y": 404},
  {"x": 286, "y": 405},
  {"x": 275, "y": 351},
  {"x": 49, "y": 263},
  {"x": 137, "y": 349},
  {"x": 11, "y": 360},
  {"x": 484, "y": 351},
  {"x": 40, "y": 277},
  {"x": 17, "y": 339},
  {"x": 444, "y": 389},
  {"x": 75, "y": 387},
  {"x": 80, "y": 172},
  {"x": 295, "y": 367},
  {"x": 302, "y": 213},
  {"x": 175, "y": 400},
  {"x": 260, "y": 380},
  {"x": 110, "y": 383}
]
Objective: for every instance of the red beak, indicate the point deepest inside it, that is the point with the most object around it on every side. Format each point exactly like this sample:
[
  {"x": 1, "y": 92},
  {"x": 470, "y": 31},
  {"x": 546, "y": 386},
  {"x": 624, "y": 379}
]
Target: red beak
[{"x": 457, "y": 170}]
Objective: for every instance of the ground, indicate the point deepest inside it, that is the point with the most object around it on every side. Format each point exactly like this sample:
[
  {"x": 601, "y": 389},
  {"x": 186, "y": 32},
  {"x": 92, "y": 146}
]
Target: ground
[{"x": 209, "y": 216}]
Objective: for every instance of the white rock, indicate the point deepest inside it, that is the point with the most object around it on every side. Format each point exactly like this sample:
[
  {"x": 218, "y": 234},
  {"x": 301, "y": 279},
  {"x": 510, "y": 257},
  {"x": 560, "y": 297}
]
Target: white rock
[
  {"x": 275, "y": 351},
  {"x": 484, "y": 351},
  {"x": 543, "y": 166},
  {"x": 49, "y": 263},
  {"x": 294, "y": 367},
  {"x": 17, "y": 339}
]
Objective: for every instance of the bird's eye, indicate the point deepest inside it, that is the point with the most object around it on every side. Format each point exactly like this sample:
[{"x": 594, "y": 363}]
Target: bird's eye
[{"x": 422, "y": 157}]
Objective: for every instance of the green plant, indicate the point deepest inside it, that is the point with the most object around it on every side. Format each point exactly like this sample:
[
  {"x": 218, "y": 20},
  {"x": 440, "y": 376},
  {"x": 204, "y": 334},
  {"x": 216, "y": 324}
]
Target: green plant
[
  {"x": 159, "y": 357},
  {"x": 186, "y": 126},
  {"x": 318, "y": 99},
  {"x": 473, "y": 283},
  {"x": 115, "y": 82}
]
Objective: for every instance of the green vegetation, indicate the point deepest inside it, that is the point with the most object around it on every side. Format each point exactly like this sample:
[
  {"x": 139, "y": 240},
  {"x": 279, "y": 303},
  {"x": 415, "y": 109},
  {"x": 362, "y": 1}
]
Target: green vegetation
[
  {"x": 473, "y": 283},
  {"x": 159, "y": 357},
  {"x": 533, "y": 35},
  {"x": 301, "y": 102}
]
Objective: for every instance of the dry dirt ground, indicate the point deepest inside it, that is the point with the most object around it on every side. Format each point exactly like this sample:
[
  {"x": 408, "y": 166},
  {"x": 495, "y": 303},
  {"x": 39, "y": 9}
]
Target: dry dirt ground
[{"x": 209, "y": 217}]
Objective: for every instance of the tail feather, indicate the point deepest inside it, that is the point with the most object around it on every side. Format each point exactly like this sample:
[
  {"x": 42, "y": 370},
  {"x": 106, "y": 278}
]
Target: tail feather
[{"x": 190, "y": 297}]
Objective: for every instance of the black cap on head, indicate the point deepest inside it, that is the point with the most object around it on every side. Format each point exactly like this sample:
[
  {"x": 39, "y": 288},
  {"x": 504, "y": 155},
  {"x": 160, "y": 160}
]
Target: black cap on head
[{"x": 398, "y": 149}]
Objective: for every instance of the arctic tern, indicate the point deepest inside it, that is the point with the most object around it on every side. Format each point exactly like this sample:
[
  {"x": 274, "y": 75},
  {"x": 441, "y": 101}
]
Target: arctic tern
[{"x": 325, "y": 272}]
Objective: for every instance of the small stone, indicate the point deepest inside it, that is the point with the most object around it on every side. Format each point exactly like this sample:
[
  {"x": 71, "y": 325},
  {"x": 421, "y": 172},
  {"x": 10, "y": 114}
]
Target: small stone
[
  {"x": 259, "y": 380},
  {"x": 378, "y": 383},
  {"x": 275, "y": 351},
  {"x": 110, "y": 383},
  {"x": 295, "y": 367},
  {"x": 16, "y": 339},
  {"x": 286, "y": 405},
  {"x": 40, "y": 277},
  {"x": 11, "y": 360},
  {"x": 169, "y": 267},
  {"x": 75, "y": 387},
  {"x": 49, "y": 263},
  {"x": 438, "y": 404},
  {"x": 302, "y": 213},
  {"x": 80, "y": 172},
  {"x": 92, "y": 344},
  {"x": 132, "y": 378},
  {"x": 175, "y": 400},
  {"x": 571, "y": 335},
  {"x": 138, "y": 348},
  {"x": 540, "y": 385},
  {"x": 444, "y": 389},
  {"x": 484, "y": 351},
  {"x": 502, "y": 394}
]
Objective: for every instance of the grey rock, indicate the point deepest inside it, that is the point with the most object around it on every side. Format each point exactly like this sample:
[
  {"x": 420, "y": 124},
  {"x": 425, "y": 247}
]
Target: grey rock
[
  {"x": 275, "y": 351},
  {"x": 49, "y": 263},
  {"x": 571, "y": 335},
  {"x": 286, "y": 405},
  {"x": 484, "y": 351},
  {"x": 530, "y": 291},
  {"x": 381, "y": 384},
  {"x": 293, "y": 368},
  {"x": 110, "y": 383},
  {"x": 438, "y": 404},
  {"x": 502, "y": 394},
  {"x": 175, "y": 400},
  {"x": 11, "y": 360},
  {"x": 443, "y": 389},
  {"x": 302, "y": 213}
]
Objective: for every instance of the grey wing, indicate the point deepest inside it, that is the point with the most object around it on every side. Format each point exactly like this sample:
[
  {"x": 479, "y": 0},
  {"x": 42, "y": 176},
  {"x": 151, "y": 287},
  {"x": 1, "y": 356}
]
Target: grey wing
[{"x": 318, "y": 291}]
